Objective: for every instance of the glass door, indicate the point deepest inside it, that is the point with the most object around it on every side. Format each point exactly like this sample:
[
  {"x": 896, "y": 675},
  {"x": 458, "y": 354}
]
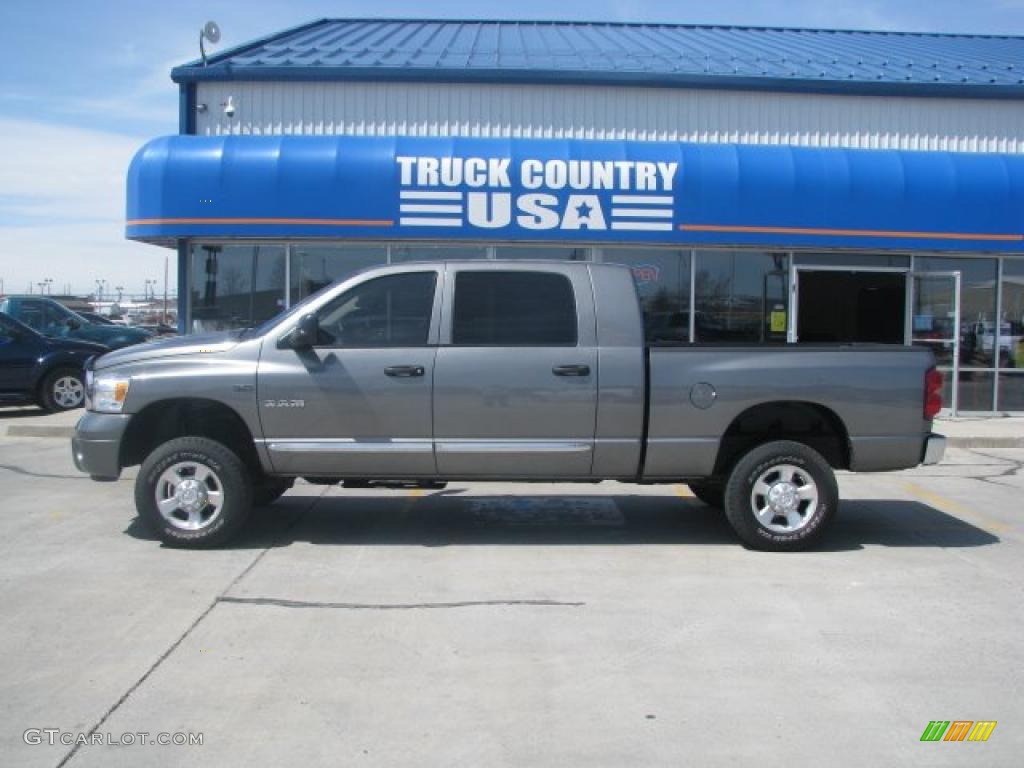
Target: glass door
[{"x": 934, "y": 322}]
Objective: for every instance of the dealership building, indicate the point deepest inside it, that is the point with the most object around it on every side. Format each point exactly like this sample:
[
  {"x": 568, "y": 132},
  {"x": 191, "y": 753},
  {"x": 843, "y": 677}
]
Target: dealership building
[{"x": 766, "y": 186}]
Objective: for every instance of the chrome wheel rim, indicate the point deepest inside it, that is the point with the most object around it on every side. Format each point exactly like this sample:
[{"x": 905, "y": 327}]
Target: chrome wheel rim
[
  {"x": 189, "y": 495},
  {"x": 68, "y": 392},
  {"x": 784, "y": 498}
]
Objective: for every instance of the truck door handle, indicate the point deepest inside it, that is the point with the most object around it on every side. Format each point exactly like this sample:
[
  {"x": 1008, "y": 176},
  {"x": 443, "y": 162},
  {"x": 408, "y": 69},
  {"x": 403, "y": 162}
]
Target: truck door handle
[
  {"x": 571, "y": 370},
  {"x": 404, "y": 371}
]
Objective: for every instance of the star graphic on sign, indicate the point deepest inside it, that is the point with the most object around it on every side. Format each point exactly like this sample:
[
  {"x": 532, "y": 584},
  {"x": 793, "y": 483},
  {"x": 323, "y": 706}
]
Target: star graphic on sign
[{"x": 583, "y": 210}]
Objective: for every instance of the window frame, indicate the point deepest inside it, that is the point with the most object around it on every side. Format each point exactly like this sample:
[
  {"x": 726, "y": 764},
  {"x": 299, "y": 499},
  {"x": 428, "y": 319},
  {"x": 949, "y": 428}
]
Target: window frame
[
  {"x": 532, "y": 269},
  {"x": 431, "y": 321}
]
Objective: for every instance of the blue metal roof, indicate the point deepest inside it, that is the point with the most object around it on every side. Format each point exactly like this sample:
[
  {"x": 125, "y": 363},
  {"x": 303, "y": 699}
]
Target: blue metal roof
[
  {"x": 555, "y": 190},
  {"x": 642, "y": 54}
]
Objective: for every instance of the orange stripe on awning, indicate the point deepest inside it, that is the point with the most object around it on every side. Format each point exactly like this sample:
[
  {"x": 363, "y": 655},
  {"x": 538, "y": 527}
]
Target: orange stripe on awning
[
  {"x": 848, "y": 232},
  {"x": 310, "y": 222}
]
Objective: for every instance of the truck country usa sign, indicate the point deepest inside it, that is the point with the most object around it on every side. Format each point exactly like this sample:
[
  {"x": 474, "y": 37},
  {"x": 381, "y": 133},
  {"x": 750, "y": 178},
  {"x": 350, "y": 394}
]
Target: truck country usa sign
[{"x": 493, "y": 193}]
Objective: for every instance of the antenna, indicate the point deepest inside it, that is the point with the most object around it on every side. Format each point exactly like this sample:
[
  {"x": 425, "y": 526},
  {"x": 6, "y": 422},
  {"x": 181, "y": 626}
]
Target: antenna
[{"x": 211, "y": 32}]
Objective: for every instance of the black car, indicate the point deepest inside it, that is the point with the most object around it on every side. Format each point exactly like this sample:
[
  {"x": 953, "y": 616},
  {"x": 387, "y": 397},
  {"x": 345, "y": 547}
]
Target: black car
[
  {"x": 41, "y": 369},
  {"x": 53, "y": 319}
]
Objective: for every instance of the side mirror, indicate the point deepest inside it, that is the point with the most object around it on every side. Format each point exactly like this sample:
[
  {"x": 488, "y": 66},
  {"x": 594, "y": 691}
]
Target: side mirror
[
  {"x": 305, "y": 334},
  {"x": 73, "y": 324}
]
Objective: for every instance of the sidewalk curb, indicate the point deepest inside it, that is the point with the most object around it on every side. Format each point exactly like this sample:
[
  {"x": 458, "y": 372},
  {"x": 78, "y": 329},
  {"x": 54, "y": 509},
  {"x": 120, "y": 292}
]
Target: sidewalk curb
[
  {"x": 985, "y": 442},
  {"x": 27, "y": 430}
]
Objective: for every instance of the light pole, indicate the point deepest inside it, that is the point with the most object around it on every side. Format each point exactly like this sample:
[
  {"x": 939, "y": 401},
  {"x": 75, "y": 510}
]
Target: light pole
[
  {"x": 100, "y": 284},
  {"x": 49, "y": 285},
  {"x": 120, "y": 292}
]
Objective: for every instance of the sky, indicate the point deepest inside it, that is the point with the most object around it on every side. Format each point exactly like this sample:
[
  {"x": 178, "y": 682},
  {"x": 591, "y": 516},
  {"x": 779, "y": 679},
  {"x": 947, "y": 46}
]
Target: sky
[{"x": 86, "y": 83}]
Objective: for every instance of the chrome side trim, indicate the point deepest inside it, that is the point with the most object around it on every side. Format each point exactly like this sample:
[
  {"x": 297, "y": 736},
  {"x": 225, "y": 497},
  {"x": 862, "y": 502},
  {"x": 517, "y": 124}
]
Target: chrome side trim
[
  {"x": 934, "y": 449},
  {"x": 348, "y": 445},
  {"x": 513, "y": 446}
]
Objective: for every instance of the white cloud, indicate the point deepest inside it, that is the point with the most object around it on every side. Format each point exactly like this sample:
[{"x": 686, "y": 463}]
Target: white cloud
[{"x": 62, "y": 208}]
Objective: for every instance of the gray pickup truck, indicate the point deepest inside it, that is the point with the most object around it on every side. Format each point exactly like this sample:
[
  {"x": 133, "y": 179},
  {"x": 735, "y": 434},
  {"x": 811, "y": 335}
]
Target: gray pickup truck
[{"x": 487, "y": 370}]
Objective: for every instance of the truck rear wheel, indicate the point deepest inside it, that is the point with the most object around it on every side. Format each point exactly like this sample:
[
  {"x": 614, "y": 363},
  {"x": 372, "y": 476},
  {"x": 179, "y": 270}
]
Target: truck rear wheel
[
  {"x": 781, "y": 496},
  {"x": 193, "y": 492}
]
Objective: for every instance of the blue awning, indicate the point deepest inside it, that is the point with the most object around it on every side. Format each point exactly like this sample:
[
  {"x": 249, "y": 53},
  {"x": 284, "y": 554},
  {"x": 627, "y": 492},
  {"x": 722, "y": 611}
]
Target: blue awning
[{"x": 574, "y": 192}]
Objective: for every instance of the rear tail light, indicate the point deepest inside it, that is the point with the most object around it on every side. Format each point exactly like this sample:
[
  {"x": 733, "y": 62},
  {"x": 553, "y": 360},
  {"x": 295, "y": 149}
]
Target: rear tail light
[{"x": 932, "y": 394}]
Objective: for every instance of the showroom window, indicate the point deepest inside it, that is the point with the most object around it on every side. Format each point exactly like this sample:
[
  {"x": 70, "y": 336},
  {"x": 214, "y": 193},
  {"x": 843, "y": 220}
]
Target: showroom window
[
  {"x": 741, "y": 296},
  {"x": 662, "y": 278},
  {"x": 430, "y": 252},
  {"x": 852, "y": 259},
  {"x": 1011, "y": 337},
  {"x": 530, "y": 309},
  {"x": 977, "y": 329},
  {"x": 314, "y": 267},
  {"x": 235, "y": 286},
  {"x": 550, "y": 252}
]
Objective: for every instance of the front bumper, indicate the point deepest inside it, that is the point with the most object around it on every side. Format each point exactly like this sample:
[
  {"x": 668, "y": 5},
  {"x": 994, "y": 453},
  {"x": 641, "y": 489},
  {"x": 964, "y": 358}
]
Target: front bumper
[
  {"x": 96, "y": 446},
  {"x": 934, "y": 449}
]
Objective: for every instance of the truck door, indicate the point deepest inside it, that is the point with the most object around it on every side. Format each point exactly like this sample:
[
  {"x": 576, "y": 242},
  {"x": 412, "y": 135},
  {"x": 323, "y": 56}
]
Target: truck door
[
  {"x": 515, "y": 382},
  {"x": 358, "y": 403}
]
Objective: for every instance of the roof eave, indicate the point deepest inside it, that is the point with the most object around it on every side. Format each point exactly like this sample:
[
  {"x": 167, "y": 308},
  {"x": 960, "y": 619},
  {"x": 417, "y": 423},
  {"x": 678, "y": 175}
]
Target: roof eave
[{"x": 233, "y": 73}]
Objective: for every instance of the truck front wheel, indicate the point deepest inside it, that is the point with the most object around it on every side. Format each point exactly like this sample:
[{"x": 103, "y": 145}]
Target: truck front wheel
[
  {"x": 193, "y": 492},
  {"x": 781, "y": 496}
]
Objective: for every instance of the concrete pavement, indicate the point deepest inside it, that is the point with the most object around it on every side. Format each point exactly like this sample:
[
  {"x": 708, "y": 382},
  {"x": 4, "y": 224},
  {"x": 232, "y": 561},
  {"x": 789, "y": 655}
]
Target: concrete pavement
[{"x": 513, "y": 624}]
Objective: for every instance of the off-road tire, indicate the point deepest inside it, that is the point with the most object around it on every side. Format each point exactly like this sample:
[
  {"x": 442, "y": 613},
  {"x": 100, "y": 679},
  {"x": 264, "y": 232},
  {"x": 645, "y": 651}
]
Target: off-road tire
[
  {"x": 234, "y": 481},
  {"x": 739, "y": 507}
]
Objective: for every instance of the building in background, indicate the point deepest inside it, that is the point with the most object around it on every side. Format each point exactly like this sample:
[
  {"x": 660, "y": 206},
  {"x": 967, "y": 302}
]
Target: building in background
[{"x": 765, "y": 185}]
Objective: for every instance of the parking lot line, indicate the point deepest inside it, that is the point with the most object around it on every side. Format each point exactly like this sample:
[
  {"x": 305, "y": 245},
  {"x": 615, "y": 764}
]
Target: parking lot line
[
  {"x": 682, "y": 491},
  {"x": 955, "y": 508}
]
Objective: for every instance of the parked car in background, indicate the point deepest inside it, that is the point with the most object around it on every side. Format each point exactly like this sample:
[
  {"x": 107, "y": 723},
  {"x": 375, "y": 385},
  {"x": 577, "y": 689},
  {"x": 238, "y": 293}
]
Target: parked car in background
[
  {"x": 985, "y": 333},
  {"x": 95, "y": 317},
  {"x": 159, "y": 329},
  {"x": 40, "y": 369},
  {"x": 51, "y": 318}
]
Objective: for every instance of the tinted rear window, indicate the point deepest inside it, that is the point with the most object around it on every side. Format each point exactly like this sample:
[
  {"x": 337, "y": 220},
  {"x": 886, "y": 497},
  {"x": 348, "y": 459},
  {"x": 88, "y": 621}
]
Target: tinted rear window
[{"x": 513, "y": 309}]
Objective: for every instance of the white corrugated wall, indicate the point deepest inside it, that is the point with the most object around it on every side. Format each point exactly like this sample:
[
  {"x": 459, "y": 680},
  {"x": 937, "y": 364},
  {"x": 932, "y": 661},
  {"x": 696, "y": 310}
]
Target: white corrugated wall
[{"x": 598, "y": 112}]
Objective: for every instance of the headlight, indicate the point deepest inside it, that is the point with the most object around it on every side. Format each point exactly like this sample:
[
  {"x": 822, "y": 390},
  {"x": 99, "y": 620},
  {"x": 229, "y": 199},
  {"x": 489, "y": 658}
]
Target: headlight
[{"x": 105, "y": 394}]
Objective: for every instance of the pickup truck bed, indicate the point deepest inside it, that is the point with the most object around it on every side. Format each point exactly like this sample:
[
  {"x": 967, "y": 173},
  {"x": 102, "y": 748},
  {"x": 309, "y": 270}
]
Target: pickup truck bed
[{"x": 493, "y": 371}]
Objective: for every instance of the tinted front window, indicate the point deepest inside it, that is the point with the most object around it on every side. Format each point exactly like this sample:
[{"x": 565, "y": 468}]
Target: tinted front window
[
  {"x": 391, "y": 311},
  {"x": 33, "y": 314},
  {"x": 513, "y": 309}
]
